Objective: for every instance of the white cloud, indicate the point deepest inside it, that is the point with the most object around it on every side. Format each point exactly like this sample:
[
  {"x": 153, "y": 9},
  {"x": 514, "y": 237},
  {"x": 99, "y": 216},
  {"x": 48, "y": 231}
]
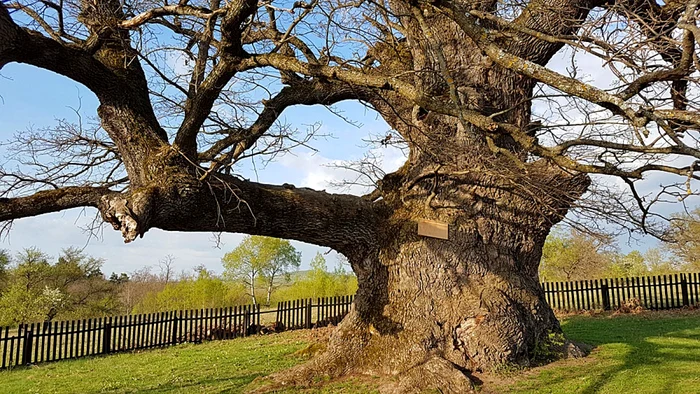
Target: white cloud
[{"x": 318, "y": 172}]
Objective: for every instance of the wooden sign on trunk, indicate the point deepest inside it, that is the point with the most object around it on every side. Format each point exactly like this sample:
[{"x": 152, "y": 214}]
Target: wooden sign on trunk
[{"x": 432, "y": 228}]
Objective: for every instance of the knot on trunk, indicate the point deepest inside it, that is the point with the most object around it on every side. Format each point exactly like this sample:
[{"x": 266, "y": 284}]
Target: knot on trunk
[{"x": 130, "y": 214}]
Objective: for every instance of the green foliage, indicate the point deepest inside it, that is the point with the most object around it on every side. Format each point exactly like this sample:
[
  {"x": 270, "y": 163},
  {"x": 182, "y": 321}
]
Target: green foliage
[
  {"x": 205, "y": 291},
  {"x": 73, "y": 287},
  {"x": 119, "y": 279},
  {"x": 318, "y": 282},
  {"x": 549, "y": 349},
  {"x": 574, "y": 256},
  {"x": 627, "y": 265},
  {"x": 20, "y": 304},
  {"x": 260, "y": 261},
  {"x": 685, "y": 230},
  {"x": 577, "y": 256},
  {"x": 5, "y": 260},
  {"x": 28, "y": 297},
  {"x": 659, "y": 263}
]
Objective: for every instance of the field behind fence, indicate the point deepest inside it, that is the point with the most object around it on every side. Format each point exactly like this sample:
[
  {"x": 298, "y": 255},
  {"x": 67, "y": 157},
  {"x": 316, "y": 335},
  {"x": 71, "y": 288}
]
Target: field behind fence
[
  {"x": 54, "y": 341},
  {"x": 651, "y": 292}
]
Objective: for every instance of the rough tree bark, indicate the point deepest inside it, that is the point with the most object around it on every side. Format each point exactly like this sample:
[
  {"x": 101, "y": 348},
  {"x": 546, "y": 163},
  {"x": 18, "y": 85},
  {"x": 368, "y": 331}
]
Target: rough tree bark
[{"x": 428, "y": 311}]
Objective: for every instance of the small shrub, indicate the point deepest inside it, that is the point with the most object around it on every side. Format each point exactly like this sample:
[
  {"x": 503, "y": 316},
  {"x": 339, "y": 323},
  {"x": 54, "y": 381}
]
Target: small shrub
[{"x": 549, "y": 349}]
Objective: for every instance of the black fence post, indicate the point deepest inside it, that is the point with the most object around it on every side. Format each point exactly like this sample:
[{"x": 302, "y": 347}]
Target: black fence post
[
  {"x": 257, "y": 323},
  {"x": 684, "y": 290},
  {"x": 308, "y": 314},
  {"x": 27, "y": 348},
  {"x": 107, "y": 337},
  {"x": 606, "y": 296},
  {"x": 176, "y": 320},
  {"x": 246, "y": 320}
]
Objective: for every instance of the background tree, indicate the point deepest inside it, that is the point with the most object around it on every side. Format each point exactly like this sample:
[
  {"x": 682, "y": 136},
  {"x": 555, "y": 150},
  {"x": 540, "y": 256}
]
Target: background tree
[
  {"x": 141, "y": 283},
  {"x": 193, "y": 292},
  {"x": 119, "y": 279},
  {"x": 575, "y": 256},
  {"x": 263, "y": 259},
  {"x": 72, "y": 287},
  {"x": 659, "y": 262},
  {"x": 5, "y": 260},
  {"x": 685, "y": 244},
  {"x": 80, "y": 278},
  {"x": 319, "y": 282},
  {"x": 167, "y": 268},
  {"x": 284, "y": 258},
  {"x": 499, "y": 142},
  {"x": 628, "y": 265},
  {"x": 27, "y": 299}
]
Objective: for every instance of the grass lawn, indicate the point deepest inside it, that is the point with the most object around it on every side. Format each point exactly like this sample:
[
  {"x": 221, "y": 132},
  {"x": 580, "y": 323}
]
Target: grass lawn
[
  {"x": 654, "y": 352},
  {"x": 634, "y": 354},
  {"x": 212, "y": 367}
]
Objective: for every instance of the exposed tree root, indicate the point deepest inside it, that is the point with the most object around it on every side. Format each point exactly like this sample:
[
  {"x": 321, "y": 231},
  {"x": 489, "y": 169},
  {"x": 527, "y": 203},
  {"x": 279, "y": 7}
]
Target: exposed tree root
[
  {"x": 435, "y": 373},
  {"x": 351, "y": 351},
  {"x": 576, "y": 349}
]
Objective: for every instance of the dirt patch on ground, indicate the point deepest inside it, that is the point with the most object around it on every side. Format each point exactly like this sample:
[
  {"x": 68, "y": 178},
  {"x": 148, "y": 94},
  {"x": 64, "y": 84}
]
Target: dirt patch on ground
[
  {"x": 645, "y": 313},
  {"x": 321, "y": 334}
]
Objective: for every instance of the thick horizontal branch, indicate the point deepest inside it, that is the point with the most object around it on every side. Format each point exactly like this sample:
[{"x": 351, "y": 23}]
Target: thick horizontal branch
[
  {"x": 352, "y": 76},
  {"x": 229, "y": 204},
  {"x": 47, "y": 201}
]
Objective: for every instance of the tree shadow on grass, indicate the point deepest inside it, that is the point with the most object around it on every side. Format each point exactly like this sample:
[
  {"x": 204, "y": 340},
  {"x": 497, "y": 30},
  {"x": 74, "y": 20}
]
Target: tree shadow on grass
[{"x": 638, "y": 353}]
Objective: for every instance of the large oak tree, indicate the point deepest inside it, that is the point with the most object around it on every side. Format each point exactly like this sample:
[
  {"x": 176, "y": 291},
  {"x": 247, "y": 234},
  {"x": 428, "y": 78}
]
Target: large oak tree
[{"x": 499, "y": 144}]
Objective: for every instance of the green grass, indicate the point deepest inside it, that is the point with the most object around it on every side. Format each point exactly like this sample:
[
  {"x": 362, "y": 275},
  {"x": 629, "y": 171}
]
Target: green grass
[
  {"x": 634, "y": 354},
  {"x": 222, "y": 366},
  {"x": 212, "y": 367},
  {"x": 647, "y": 353}
]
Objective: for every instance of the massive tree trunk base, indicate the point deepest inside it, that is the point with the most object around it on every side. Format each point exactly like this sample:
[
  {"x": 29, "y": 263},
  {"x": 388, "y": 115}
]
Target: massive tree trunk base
[
  {"x": 354, "y": 352},
  {"x": 350, "y": 354}
]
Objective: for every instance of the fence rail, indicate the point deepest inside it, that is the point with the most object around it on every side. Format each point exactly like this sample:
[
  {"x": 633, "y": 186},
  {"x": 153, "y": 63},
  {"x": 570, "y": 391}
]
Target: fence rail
[
  {"x": 651, "y": 292},
  {"x": 53, "y": 341}
]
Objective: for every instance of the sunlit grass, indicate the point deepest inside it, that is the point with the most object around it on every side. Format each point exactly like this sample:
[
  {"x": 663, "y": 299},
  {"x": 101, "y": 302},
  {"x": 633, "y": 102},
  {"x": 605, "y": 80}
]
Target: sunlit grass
[
  {"x": 648, "y": 353},
  {"x": 211, "y": 367}
]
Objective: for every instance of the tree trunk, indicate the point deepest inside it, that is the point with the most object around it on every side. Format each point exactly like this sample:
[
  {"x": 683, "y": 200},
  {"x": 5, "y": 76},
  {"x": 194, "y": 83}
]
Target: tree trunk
[
  {"x": 252, "y": 293},
  {"x": 269, "y": 294},
  {"x": 430, "y": 311}
]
